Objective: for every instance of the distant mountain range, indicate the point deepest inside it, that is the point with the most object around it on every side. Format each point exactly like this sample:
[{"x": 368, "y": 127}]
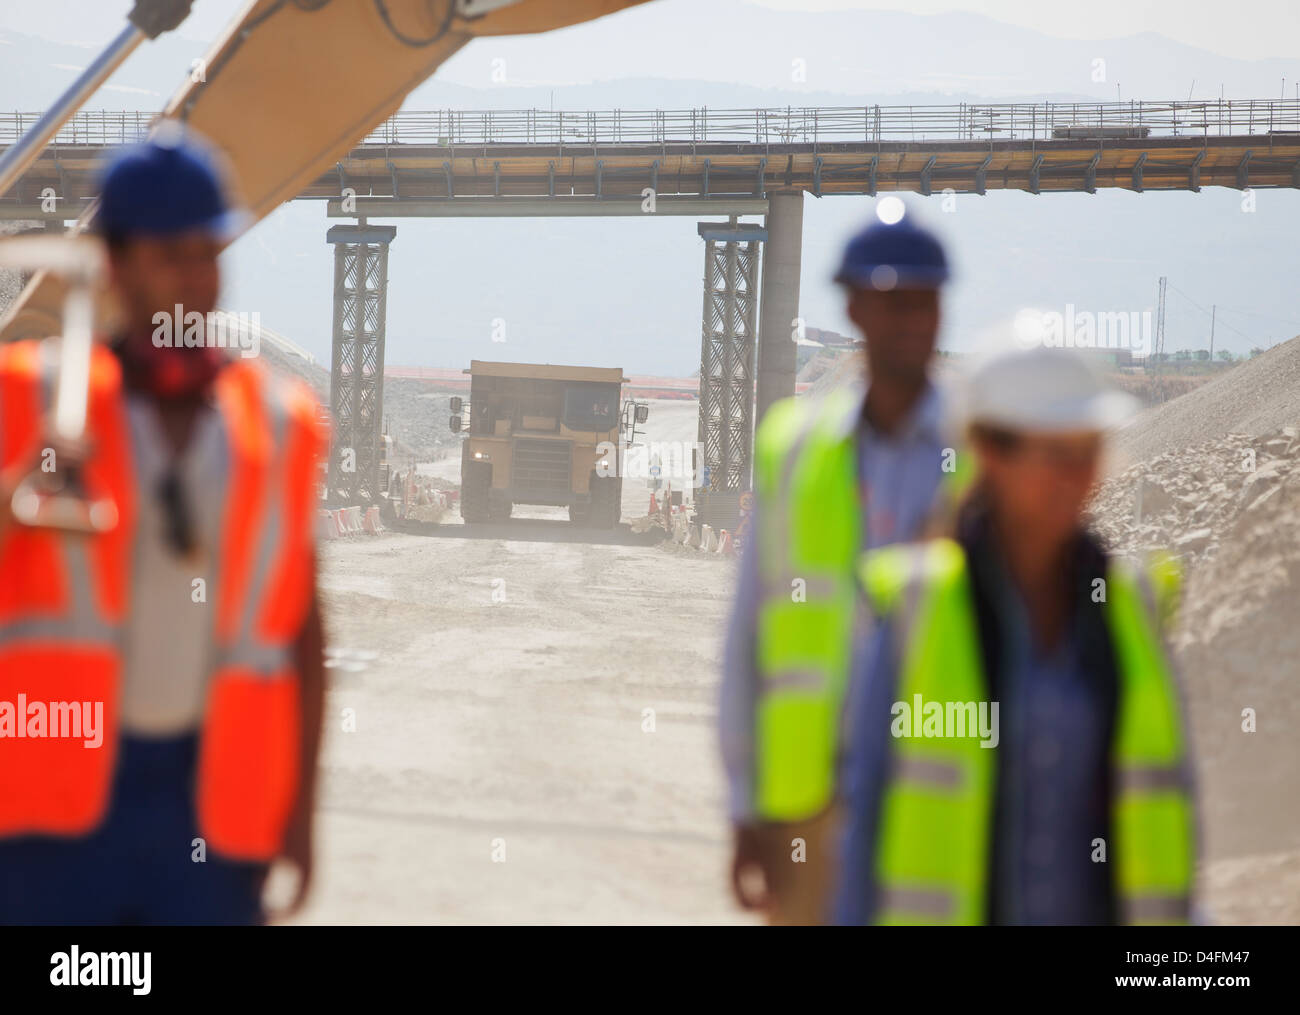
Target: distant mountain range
[{"x": 697, "y": 52}]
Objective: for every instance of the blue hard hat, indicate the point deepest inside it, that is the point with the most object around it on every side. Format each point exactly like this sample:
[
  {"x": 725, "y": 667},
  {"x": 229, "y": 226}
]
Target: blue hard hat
[
  {"x": 170, "y": 183},
  {"x": 893, "y": 255}
]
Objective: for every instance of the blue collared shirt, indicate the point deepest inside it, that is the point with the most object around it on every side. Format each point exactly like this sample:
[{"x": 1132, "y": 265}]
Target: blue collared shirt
[{"x": 899, "y": 476}]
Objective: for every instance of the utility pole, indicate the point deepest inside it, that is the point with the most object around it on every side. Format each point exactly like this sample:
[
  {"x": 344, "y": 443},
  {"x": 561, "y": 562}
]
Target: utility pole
[
  {"x": 1214, "y": 309},
  {"x": 1160, "y": 321}
]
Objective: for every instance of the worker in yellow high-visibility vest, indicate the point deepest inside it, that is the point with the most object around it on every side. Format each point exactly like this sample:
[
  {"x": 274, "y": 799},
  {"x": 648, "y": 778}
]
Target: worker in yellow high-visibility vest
[
  {"x": 862, "y": 467},
  {"x": 1018, "y": 752}
]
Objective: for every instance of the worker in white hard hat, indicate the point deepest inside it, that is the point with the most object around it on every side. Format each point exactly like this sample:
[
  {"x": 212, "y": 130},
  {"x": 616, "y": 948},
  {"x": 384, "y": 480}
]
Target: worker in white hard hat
[{"x": 1018, "y": 752}]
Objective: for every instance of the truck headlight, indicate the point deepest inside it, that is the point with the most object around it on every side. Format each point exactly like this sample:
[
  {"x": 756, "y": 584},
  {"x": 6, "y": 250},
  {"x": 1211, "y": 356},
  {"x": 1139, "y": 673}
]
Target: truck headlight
[{"x": 482, "y": 456}]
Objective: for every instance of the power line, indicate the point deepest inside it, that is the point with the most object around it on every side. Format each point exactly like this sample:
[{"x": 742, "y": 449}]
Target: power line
[
  {"x": 1231, "y": 310},
  {"x": 1264, "y": 317},
  {"x": 1207, "y": 313},
  {"x": 1189, "y": 300}
]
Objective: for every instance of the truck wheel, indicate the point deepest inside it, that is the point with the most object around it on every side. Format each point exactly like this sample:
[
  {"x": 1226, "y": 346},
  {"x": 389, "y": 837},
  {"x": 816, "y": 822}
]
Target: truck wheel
[
  {"x": 501, "y": 512},
  {"x": 475, "y": 482},
  {"x": 605, "y": 504},
  {"x": 615, "y": 502}
]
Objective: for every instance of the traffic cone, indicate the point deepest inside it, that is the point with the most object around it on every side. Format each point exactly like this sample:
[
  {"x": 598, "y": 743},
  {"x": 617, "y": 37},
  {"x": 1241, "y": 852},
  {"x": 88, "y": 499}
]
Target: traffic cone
[{"x": 654, "y": 506}]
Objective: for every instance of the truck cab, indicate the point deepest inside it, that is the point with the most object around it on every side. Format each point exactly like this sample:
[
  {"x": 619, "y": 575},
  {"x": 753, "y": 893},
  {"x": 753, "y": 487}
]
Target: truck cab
[{"x": 543, "y": 434}]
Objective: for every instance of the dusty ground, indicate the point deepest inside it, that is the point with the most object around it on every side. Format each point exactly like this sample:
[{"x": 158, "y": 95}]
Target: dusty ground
[
  {"x": 517, "y": 727},
  {"x": 567, "y": 724}
]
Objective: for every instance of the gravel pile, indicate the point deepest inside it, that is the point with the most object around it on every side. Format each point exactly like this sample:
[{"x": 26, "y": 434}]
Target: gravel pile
[
  {"x": 832, "y": 372},
  {"x": 1191, "y": 500},
  {"x": 1255, "y": 398},
  {"x": 11, "y": 281},
  {"x": 417, "y": 413},
  {"x": 284, "y": 361},
  {"x": 1230, "y": 509}
]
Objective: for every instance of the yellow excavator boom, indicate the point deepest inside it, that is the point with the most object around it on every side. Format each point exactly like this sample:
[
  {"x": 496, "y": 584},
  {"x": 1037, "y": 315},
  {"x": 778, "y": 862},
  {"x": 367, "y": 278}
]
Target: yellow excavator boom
[{"x": 293, "y": 85}]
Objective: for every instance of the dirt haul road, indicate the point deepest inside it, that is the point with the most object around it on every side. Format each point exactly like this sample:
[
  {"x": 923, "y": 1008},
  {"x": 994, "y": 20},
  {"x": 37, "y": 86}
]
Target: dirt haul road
[
  {"x": 534, "y": 724},
  {"x": 501, "y": 766}
]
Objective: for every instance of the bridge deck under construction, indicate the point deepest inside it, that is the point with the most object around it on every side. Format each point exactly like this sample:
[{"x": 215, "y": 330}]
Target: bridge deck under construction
[{"x": 702, "y": 154}]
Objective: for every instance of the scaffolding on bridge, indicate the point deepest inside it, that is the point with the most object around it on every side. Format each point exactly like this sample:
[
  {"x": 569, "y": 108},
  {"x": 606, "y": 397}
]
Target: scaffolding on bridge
[
  {"x": 789, "y": 125},
  {"x": 727, "y": 356},
  {"x": 357, "y": 360}
]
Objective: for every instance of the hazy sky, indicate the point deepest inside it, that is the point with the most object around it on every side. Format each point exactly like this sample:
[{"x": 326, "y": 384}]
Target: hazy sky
[
  {"x": 1264, "y": 28},
  {"x": 605, "y": 292}
]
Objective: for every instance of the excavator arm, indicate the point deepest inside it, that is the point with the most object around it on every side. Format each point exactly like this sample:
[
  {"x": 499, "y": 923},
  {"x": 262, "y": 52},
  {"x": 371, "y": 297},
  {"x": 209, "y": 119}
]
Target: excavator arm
[{"x": 293, "y": 85}]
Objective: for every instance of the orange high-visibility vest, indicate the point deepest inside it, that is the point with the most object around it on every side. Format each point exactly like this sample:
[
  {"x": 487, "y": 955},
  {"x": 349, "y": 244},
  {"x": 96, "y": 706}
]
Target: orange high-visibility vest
[{"x": 64, "y": 598}]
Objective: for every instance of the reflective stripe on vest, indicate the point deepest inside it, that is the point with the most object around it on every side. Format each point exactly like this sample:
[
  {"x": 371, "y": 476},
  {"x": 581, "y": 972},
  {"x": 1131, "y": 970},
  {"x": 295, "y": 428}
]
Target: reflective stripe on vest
[
  {"x": 810, "y": 531},
  {"x": 935, "y": 833},
  {"x": 1153, "y": 818},
  {"x": 249, "y": 754},
  {"x": 62, "y": 601},
  {"x": 62, "y": 606}
]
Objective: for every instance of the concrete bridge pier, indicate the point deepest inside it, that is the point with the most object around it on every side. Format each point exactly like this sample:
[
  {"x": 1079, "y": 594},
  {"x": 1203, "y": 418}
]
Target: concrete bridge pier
[{"x": 778, "y": 324}]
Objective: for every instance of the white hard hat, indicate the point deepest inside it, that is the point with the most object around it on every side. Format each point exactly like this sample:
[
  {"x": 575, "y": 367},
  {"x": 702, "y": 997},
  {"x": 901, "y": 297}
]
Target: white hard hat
[{"x": 1043, "y": 389}]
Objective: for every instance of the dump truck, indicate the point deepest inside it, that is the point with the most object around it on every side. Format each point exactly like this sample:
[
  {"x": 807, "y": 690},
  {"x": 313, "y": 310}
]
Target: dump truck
[{"x": 544, "y": 434}]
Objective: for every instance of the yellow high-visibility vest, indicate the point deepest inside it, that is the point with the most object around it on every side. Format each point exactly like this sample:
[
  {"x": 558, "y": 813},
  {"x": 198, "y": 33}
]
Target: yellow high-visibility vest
[
  {"x": 810, "y": 530},
  {"x": 935, "y": 830}
]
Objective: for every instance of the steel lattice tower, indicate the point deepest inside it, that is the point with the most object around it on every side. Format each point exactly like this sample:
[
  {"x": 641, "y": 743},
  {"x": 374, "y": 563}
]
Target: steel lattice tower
[
  {"x": 357, "y": 361},
  {"x": 727, "y": 352},
  {"x": 1160, "y": 320}
]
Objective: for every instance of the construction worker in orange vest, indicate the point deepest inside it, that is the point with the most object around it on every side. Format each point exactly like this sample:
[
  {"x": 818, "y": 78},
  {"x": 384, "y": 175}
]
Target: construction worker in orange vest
[{"x": 161, "y": 681}]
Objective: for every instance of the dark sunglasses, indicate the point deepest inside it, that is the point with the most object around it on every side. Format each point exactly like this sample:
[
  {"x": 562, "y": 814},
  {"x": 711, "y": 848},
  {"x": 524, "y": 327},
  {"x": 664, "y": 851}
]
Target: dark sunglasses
[{"x": 180, "y": 525}]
